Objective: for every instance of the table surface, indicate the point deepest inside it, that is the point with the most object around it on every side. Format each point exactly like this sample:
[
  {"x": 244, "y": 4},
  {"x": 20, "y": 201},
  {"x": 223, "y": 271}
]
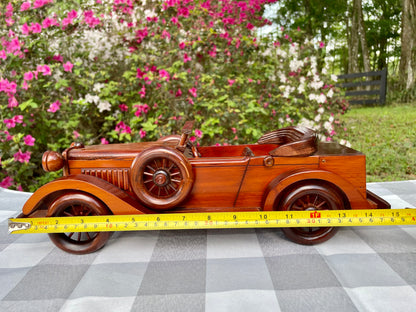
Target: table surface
[{"x": 360, "y": 269}]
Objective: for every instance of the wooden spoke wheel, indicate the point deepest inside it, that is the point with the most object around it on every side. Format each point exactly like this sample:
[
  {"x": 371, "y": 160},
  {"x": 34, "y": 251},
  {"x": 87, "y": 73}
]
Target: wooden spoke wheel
[
  {"x": 161, "y": 177},
  {"x": 311, "y": 197},
  {"x": 75, "y": 205}
]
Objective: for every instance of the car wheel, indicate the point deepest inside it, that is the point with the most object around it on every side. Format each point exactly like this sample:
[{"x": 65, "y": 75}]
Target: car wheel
[
  {"x": 161, "y": 177},
  {"x": 76, "y": 205},
  {"x": 311, "y": 197}
]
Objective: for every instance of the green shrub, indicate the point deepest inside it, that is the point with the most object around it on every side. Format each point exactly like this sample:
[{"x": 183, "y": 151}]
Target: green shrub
[{"x": 129, "y": 71}]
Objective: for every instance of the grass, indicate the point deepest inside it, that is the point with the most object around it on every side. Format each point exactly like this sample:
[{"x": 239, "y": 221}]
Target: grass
[{"x": 387, "y": 135}]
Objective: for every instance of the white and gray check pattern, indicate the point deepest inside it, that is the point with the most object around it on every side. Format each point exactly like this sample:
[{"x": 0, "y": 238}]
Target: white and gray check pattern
[{"x": 360, "y": 269}]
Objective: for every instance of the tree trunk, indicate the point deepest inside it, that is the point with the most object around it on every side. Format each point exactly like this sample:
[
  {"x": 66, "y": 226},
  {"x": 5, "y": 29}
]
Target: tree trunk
[
  {"x": 354, "y": 43},
  {"x": 381, "y": 62},
  {"x": 308, "y": 12},
  {"x": 363, "y": 40},
  {"x": 357, "y": 37},
  {"x": 407, "y": 68}
]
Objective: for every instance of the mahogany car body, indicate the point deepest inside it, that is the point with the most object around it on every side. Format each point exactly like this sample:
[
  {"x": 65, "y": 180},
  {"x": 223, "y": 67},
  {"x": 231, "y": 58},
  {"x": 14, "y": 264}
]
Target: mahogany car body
[{"x": 286, "y": 169}]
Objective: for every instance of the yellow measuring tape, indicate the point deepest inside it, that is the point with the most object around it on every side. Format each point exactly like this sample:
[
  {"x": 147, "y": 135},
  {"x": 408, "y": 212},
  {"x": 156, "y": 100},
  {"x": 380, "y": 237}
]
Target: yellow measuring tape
[{"x": 215, "y": 220}]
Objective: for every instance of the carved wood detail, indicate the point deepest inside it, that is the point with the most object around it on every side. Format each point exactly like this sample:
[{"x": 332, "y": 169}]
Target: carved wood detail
[{"x": 117, "y": 176}]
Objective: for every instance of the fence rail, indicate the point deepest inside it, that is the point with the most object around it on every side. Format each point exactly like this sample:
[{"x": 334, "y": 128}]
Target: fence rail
[{"x": 366, "y": 91}]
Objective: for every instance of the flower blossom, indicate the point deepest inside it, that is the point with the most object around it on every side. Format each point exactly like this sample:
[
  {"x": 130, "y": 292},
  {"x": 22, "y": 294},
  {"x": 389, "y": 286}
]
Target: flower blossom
[
  {"x": 142, "y": 92},
  {"x": 22, "y": 157},
  {"x": 29, "y": 140},
  {"x": 58, "y": 58},
  {"x": 36, "y": 28},
  {"x": 44, "y": 69},
  {"x": 198, "y": 133},
  {"x": 25, "y": 29},
  {"x": 141, "y": 109},
  {"x": 90, "y": 19},
  {"x": 48, "y": 22},
  {"x": 104, "y": 141},
  {"x": 192, "y": 91},
  {"x": 9, "y": 10},
  {"x": 165, "y": 34},
  {"x": 104, "y": 106},
  {"x": 183, "y": 11},
  {"x": 213, "y": 52},
  {"x": 7, "y": 87},
  {"x": 25, "y": 6},
  {"x": 6, "y": 182},
  {"x": 123, "y": 107},
  {"x": 8, "y": 138},
  {"x": 12, "y": 102},
  {"x": 163, "y": 73},
  {"x": 344, "y": 142},
  {"x": 28, "y": 76},
  {"x": 68, "y": 66},
  {"x": 142, "y": 133},
  {"x": 73, "y": 14},
  {"x": 9, "y": 21},
  {"x": 121, "y": 126},
  {"x": 186, "y": 58},
  {"x": 54, "y": 107},
  {"x": 66, "y": 21},
  {"x": 40, "y": 3},
  {"x": 11, "y": 123}
]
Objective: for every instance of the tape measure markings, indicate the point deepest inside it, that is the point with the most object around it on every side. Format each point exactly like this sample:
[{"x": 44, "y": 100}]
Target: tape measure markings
[{"x": 216, "y": 220}]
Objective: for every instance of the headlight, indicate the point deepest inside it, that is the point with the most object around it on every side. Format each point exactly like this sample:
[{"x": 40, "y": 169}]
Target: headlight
[{"x": 52, "y": 161}]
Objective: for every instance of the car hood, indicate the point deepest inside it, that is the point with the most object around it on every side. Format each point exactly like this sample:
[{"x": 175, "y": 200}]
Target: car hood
[{"x": 111, "y": 151}]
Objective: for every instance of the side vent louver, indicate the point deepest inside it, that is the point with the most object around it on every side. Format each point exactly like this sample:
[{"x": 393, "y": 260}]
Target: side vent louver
[{"x": 118, "y": 177}]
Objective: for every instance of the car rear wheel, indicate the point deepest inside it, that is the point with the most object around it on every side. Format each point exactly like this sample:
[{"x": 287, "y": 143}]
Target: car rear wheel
[
  {"x": 76, "y": 205},
  {"x": 161, "y": 177},
  {"x": 314, "y": 198}
]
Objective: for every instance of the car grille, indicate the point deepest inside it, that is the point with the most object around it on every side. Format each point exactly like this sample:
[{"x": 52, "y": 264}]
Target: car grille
[{"x": 118, "y": 177}]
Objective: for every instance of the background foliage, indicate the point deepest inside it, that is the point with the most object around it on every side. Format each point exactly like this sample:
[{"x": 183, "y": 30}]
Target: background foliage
[
  {"x": 331, "y": 21},
  {"x": 129, "y": 71}
]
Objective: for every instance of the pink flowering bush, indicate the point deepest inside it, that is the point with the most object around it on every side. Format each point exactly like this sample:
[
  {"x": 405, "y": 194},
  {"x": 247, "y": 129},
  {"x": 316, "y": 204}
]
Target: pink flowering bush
[{"x": 127, "y": 71}]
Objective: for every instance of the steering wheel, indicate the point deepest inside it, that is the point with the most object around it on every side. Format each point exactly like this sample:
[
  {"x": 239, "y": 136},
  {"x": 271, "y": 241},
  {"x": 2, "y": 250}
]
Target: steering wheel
[{"x": 184, "y": 141}]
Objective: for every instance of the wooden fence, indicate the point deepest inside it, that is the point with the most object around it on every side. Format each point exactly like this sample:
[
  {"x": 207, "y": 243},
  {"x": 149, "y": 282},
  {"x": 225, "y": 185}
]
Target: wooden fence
[{"x": 365, "y": 88}]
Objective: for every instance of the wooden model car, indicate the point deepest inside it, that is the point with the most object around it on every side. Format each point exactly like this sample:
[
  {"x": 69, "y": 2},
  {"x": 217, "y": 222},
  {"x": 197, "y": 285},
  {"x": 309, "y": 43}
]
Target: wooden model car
[{"x": 286, "y": 169}]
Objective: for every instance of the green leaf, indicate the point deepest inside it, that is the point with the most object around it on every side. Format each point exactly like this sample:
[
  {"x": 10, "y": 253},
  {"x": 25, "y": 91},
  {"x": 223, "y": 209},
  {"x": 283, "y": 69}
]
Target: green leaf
[
  {"x": 149, "y": 125},
  {"x": 29, "y": 103},
  {"x": 61, "y": 83}
]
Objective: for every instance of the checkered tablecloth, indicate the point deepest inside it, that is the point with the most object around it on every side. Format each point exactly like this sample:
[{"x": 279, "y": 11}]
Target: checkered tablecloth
[{"x": 360, "y": 269}]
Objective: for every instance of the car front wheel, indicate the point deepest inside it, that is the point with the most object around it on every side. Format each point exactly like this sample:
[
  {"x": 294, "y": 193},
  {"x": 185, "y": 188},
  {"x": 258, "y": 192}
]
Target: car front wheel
[{"x": 76, "y": 205}]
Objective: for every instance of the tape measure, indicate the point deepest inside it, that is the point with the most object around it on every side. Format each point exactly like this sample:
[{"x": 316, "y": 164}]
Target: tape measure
[{"x": 217, "y": 220}]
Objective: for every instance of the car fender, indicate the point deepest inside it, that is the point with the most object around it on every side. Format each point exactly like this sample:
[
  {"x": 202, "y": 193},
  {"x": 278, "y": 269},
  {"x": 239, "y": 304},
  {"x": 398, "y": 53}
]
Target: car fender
[
  {"x": 280, "y": 183},
  {"x": 118, "y": 201}
]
